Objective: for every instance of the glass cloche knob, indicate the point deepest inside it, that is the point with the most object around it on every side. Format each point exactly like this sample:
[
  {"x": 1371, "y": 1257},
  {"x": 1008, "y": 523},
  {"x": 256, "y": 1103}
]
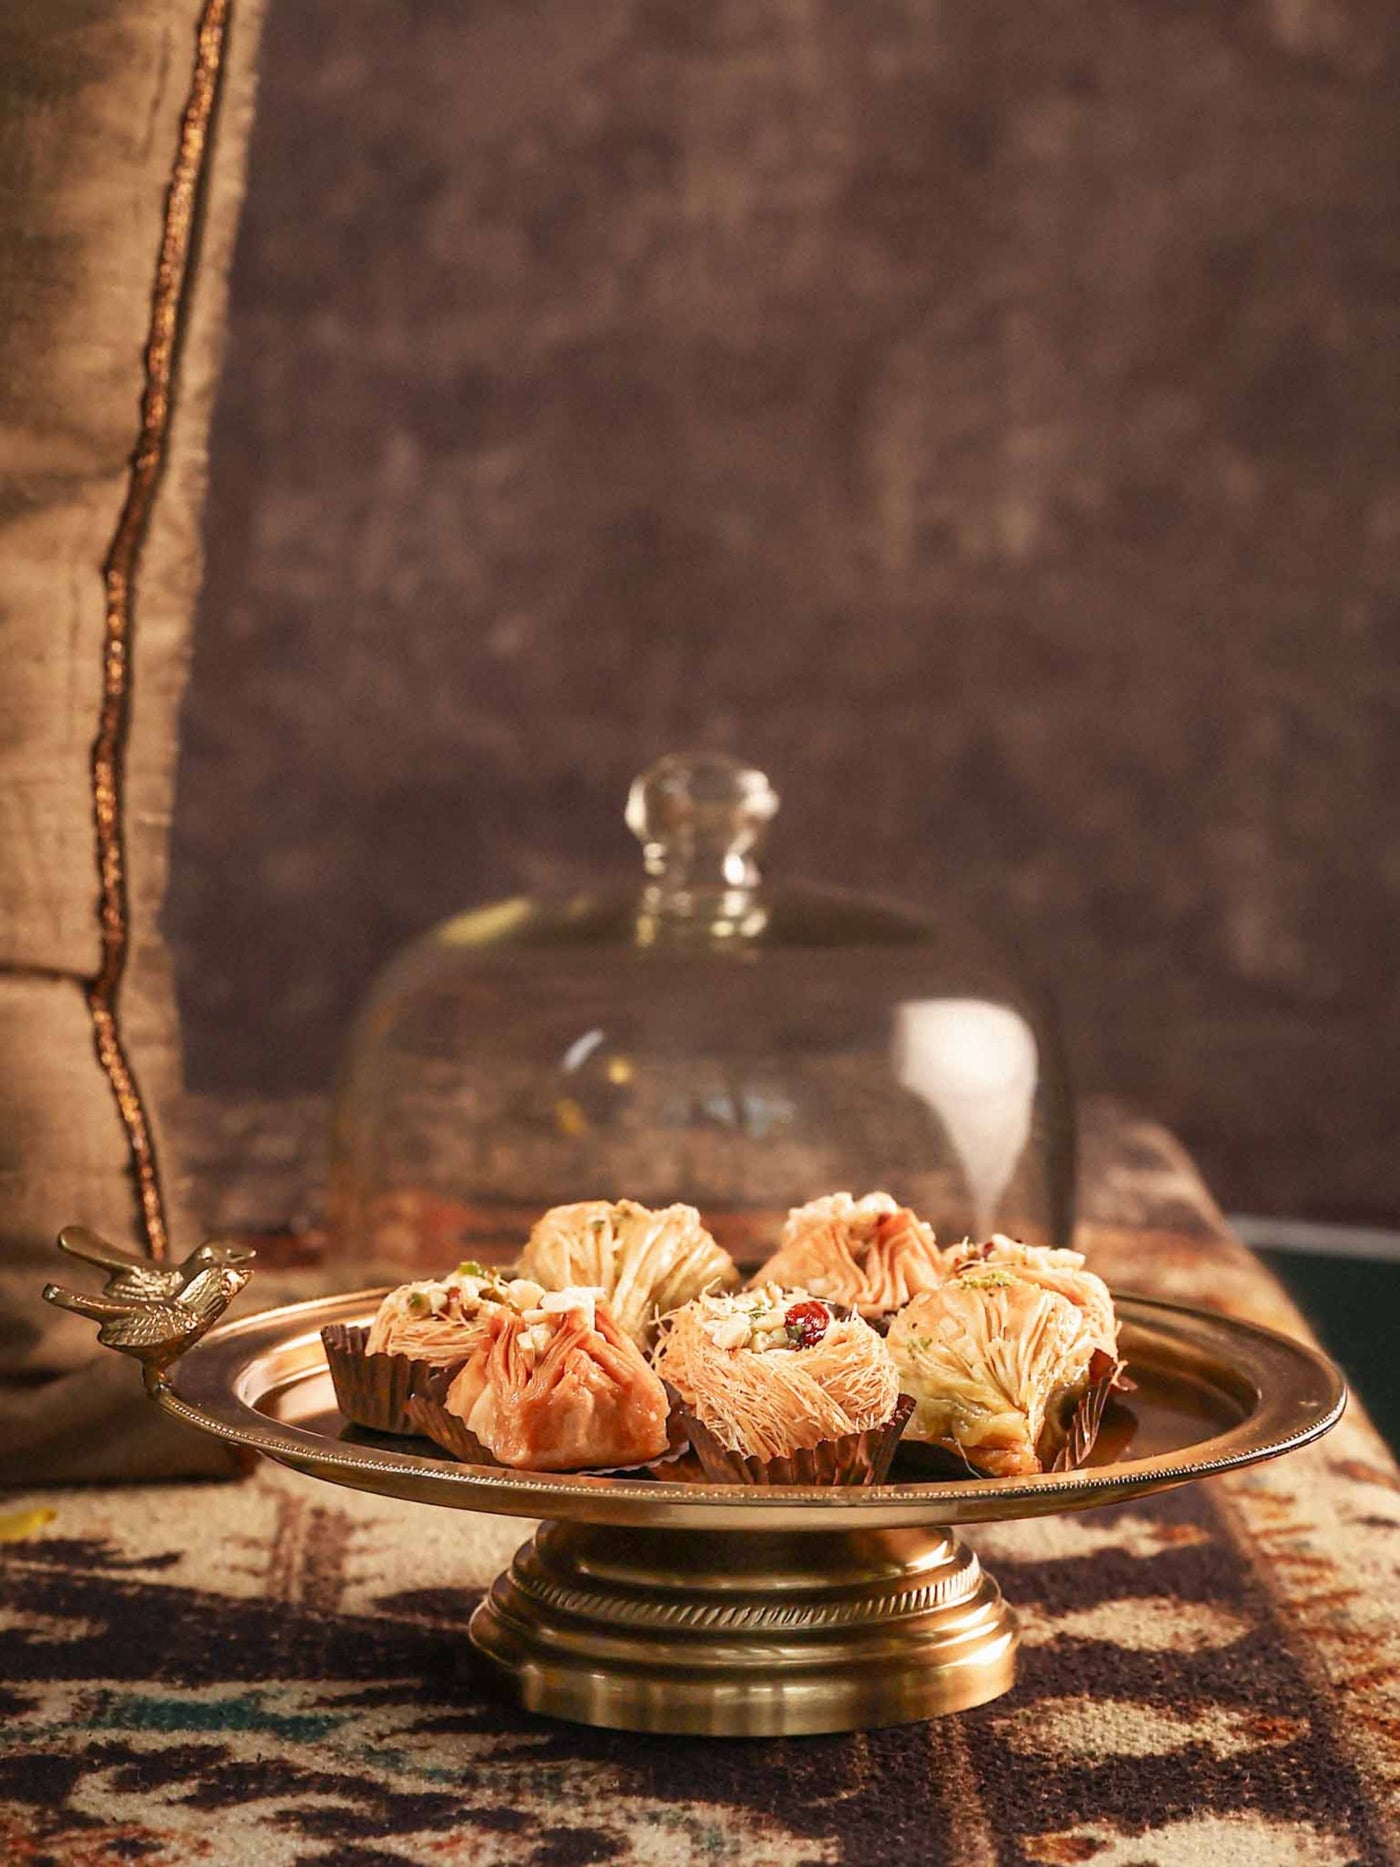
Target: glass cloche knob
[{"x": 699, "y": 816}]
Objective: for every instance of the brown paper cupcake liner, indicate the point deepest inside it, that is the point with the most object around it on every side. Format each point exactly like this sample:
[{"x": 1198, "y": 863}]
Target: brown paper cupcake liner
[
  {"x": 428, "y": 1412},
  {"x": 677, "y": 1443},
  {"x": 1082, "y": 1431},
  {"x": 373, "y": 1390},
  {"x": 433, "y": 1420},
  {"x": 861, "y": 1458}
]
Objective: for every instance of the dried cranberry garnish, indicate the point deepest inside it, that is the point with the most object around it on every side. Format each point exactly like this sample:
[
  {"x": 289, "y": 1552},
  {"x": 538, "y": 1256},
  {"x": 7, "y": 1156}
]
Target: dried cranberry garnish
[{"x": 806, "y": 1324}]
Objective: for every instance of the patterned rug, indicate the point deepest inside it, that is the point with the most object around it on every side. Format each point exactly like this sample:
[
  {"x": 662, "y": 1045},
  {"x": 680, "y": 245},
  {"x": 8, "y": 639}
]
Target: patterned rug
[{"x": 273, "y": 1671}]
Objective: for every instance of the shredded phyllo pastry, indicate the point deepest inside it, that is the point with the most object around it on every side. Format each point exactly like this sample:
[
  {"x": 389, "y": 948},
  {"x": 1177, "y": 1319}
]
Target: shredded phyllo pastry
[
  {"x": 648, "y": 1263},
  {"x": 1062, "y": 1271},
  {"x": 870, "y": 1253},
  {"x": 555, "y": 1385},
  {"x": 773, "y": 1371},
  {"x": 438, "y": 1321},
  {"x": 997, "y": 1363}
]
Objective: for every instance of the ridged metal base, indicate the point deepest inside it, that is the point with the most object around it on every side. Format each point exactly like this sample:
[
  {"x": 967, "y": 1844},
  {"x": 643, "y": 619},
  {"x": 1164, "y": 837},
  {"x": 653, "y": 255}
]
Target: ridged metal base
[{"x": 746, "y": 1634}]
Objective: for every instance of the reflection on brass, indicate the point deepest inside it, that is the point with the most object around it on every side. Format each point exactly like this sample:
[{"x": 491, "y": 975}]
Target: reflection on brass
[
  {"x": 155, "y": 1321},
  {"x": 726, "y": 1634},
  {"x": 119, "y": 576},
  {"x": 740, "y": 1610}
]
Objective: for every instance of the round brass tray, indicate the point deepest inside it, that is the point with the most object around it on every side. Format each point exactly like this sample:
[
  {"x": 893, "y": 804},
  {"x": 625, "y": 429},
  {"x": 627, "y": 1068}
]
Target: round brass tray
[{"x": 725, "y": 1609}]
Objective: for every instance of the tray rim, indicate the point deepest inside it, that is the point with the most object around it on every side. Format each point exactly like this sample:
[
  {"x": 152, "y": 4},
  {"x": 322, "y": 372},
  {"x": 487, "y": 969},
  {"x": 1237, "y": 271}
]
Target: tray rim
[{"x": 207, "y": 1390}]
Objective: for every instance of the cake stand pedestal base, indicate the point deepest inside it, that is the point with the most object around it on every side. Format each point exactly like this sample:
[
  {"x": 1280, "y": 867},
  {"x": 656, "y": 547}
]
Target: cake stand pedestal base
[{"x": 746, "y": 1634}]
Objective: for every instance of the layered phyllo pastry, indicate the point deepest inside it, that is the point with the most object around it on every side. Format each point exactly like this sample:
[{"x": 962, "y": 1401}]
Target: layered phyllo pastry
[
  {"x": 646, "y": 1263},
  {"x": 777, "y": 1386},
  {"x": 1007, "y": 1374},
  {"x": 869, "y": 1253},
  {"x": 1053, "y": 1270},
  {"x": 434, "y": 1323},
  {"x": 555, "y": 1384}
]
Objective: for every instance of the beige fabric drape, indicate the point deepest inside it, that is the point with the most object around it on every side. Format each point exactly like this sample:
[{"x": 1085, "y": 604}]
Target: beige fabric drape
[{"x": 94, "y": 96}]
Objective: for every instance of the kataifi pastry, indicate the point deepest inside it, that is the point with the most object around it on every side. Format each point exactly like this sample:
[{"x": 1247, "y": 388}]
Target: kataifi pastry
[
  {"x": 434, "y": 1323},
  {"x": 1007, "y": 1375},
  {"x": 647, "y": 1263},
  {"x": 870, "y": 1253},
  {"x": 776, "y": 1386},
  {"x": 1054, "y": 1270},
  {"x": 552, "y": 1386}
]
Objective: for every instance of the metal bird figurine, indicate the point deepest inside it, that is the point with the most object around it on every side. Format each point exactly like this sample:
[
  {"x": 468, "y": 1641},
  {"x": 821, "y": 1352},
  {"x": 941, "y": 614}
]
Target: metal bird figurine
[
  {"x": 152, "y": 1311},
  {"x": 134, "y": 1277}
]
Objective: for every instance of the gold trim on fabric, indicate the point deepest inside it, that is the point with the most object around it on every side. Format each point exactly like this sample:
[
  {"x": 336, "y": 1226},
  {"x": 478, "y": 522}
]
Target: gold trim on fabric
[{"x": 119, "y": 571}]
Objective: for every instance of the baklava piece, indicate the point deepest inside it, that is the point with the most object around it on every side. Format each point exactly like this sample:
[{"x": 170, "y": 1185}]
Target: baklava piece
[
  {"x": 869, "y": 1253},
  {"x": 646, "y": 1263},
  {"x": 777, "y": 1386}
]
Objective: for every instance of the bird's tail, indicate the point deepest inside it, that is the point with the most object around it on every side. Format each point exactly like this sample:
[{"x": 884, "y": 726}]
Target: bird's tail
[
  {"x": 79, "y": 1241},
  {"x": 100, "y": 1309}
]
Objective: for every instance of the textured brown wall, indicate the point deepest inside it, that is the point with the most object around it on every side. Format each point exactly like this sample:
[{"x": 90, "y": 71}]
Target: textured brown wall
[{"x": 982, "y": 416}]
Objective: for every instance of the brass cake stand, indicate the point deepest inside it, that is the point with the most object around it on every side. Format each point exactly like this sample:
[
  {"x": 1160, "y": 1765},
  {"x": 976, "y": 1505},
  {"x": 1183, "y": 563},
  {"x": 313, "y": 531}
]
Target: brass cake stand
[{"x": 737, "y": 1611}]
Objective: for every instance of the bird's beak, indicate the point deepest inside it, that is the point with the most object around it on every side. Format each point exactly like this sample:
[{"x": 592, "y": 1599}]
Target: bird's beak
[{"x": 226, "y": 1251}]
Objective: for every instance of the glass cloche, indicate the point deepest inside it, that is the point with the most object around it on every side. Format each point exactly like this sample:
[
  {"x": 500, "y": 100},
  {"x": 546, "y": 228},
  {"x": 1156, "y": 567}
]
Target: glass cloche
[{"x": 703, "y": 1038}]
